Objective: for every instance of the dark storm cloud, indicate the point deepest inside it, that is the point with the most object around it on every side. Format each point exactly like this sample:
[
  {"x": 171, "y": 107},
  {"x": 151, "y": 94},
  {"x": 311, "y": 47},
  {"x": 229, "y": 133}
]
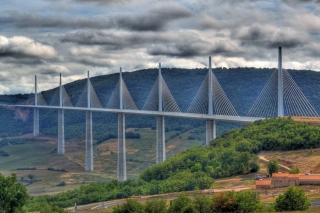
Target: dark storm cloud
[
  {"x": 95, "y": 2},
  {"x": 35, "y": 21},
  {"x": 18, "y": 62},
  {"x": 300, "y": 1},
  {"x": 269, "y": 37},
  {"x": 188, "y": 46},
  {"x": 153, "y": 20},
  {"x": 117, "y": 40}
]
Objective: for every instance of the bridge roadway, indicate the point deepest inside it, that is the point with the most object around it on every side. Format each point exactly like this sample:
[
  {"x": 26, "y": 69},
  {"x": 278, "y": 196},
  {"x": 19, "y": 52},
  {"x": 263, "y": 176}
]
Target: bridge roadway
[{"x": 240, "y": 119}]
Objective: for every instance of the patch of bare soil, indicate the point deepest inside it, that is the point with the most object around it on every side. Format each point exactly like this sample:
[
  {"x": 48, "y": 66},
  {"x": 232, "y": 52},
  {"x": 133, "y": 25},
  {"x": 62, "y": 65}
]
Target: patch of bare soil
[
  {"x": 306, "y": 160},
  {"x": 310, "y": 120}
]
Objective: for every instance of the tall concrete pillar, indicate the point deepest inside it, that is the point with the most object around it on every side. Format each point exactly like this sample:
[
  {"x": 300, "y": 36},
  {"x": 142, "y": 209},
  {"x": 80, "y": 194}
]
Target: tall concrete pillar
[
  {"x": 36, "y": 122},
  {"x": 122, "y": 168},
  {"x": 35, "y": 110},
  {"x": 161, "y": 145},
  {"x": 89, "y": 145},
  {"x": 122, "y": 164},
  {"x": 210, "y": 124},
  {"x": 61, "y": 148},
  {"x": 280, "y": 85},
  {"x": 210, "y": 131}
]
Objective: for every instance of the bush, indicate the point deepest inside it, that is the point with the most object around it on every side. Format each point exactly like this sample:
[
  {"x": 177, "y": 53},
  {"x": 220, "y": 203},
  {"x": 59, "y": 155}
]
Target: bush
[
  {"x": 273, "y": 166},
  {"x": 293, "y": 199},
  {"x": 4, "y": 154},
  {"x": 62, "y": 183},
  {"x": 294, "y": 170},
  {"x": 131, "y": 206}
]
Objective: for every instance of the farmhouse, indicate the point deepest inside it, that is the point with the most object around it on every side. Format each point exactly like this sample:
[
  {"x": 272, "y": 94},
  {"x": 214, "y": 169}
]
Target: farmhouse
[{"x": 285, "y": 179}]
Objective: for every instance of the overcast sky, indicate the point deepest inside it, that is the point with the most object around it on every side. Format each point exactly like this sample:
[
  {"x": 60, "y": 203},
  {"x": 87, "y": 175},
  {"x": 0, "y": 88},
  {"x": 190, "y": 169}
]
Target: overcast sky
[{"x": 48, "y": 37}]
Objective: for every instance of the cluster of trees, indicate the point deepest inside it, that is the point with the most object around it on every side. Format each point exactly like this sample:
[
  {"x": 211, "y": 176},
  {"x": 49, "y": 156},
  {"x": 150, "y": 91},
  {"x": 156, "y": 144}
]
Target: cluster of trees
[
  {"x": 193, "y": 169},
  {"x": 27, "y": 168},
  {"x": 272, "y": 134},
  {"x": 13, "y": 195},
  {"x": 215, "y": 162},
  {"x": 4, "y": 154},
  {"x": 57, "y": 170},
  {"x": 15, "y": 141},
  {"x": 239, "y": 202}
]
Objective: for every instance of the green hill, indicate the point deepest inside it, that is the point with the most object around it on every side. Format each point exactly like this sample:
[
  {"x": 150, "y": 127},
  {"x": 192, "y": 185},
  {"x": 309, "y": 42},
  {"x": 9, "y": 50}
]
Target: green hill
[
  {"x": 196, "y": 168},
  {"x": 242, "y": 86}
]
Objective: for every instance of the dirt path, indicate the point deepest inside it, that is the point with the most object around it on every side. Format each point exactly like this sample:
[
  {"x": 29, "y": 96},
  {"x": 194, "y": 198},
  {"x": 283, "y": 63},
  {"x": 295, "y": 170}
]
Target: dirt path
[{"x": 266, "y": 160}]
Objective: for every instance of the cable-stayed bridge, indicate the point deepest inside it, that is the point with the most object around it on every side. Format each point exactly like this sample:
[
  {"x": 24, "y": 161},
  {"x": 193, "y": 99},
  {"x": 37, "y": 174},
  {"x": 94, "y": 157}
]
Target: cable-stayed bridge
[{"x": 280, "y": 97}]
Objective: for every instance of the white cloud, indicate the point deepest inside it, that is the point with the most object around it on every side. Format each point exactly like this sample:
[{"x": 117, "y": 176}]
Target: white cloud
[{"x": 20, "y": 46}]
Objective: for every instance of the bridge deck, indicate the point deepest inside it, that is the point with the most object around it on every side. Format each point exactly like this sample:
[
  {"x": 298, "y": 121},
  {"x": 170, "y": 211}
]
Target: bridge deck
[{"x": 242, "y": 119}]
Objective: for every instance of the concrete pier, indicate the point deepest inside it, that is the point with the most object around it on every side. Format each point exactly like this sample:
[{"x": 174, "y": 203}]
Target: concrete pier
[
  {"x": 122, "y": 168},
  {"x": 161, "y": 145},
  {"x": 36, "y": 122},
  {"x": 280, "y": 85},
  {"x": 61, "y": 148},
  {"x": 210, "y": 131},
  {"x": 89, "y": 145}
]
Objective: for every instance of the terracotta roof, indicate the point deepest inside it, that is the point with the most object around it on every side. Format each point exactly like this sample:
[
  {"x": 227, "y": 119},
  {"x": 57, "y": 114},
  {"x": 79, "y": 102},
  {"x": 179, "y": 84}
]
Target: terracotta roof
[
  {"x": 263, "y": 182},
  {"x": 294, "y": 175},
  {"x": 285, "y": 174},
  {"x": 279, "y": 174},
  {"x": 310, "y": 177}
]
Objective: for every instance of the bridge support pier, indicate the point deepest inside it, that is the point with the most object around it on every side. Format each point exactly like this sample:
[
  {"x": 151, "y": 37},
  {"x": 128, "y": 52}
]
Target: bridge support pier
[
  {"x": 210, "y": 131},
  {"x": 161, "y": 146},
  {"x": 61, "y": 148},
  {"x": 122, "y": 168},
  {"x": 89, "y": 145},
  {"x": 36, "y": 122}
]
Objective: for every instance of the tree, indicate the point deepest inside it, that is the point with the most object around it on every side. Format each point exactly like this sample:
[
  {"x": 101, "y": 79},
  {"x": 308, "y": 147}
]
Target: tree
[
  {"x": 249, "y": 201},
  {"x": 156, "y": 206},
  {"x": 13, "y": 195},
  {"x": 47, "y": 208},
  {"x": 273, "y": 166},
  {"x": 31, "y": 176},
  {"x": 294, "y": 170},
  {"x": 225, "y": 202},
  {"x": 293, "y": 199},
  {"x": 178, "y": 205},
  {"x": 202, "y": 203},
  {"x": 131, "y": 206}
]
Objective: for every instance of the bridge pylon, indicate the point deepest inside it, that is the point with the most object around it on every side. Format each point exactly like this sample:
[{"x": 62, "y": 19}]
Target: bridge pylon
[
  {"x": 211, "y": 100},
  {"x": 160, "y": 143},
  {"x": 122, "y": 164},
  {"x": 210, "y": 124},
  {"x": 160, "y": 99},
  {"x": 280, "y": 85},
  {"x": 89, "y": 140},
  {"x": 61, "y": 142},
  {"x": 35, "y": 110}
]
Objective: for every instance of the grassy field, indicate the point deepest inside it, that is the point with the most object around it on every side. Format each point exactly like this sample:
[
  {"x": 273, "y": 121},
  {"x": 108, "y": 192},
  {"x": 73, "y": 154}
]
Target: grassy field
[{"x": 141, "y": 153}]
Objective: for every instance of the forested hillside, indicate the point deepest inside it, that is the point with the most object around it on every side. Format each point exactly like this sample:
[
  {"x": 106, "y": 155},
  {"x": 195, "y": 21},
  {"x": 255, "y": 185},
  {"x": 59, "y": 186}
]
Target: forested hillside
[
  {"x": 232, "y": 154},
  {"x": 272, "y": 134},
  {"x": 242, "y": 86}
]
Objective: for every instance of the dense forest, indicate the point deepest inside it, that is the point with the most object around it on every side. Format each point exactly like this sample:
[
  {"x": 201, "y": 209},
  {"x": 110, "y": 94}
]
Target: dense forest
[
  {"x": 231, "y": 154},
  {"x": 272, "y": 134},
  {"x": 241, "y": 85}
]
